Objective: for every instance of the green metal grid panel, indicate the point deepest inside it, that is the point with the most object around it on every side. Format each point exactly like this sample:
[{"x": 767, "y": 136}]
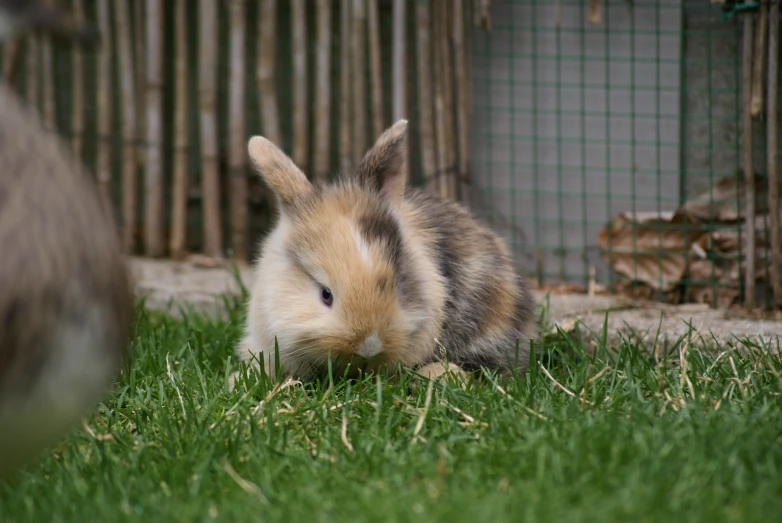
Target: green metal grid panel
[{"x": 574, "y": 123}]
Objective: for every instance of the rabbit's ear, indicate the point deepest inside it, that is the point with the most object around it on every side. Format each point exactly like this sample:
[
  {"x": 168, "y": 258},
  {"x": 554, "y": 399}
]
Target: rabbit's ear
[
  {"x": 382, "y": 168},
  {"x": 278, "y": 170}
]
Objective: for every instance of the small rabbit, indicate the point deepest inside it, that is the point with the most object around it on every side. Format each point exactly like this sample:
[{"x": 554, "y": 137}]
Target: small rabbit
[
  {"x": 374, "y": 273},
  {"x": 66, "y": 301}
]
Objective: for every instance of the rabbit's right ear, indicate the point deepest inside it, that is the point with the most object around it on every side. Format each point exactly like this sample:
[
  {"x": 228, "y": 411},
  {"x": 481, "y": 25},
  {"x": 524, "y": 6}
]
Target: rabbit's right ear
[
  {"x": 382, "y": 167},
  {"x": 278, "y": 170}
]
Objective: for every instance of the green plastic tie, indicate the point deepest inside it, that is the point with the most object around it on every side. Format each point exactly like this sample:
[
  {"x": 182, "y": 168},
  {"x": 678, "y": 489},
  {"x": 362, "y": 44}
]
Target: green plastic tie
[{"x": 737, "y": 8}]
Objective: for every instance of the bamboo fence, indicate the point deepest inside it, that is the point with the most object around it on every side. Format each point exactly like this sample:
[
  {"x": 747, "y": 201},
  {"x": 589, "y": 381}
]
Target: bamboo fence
[{"x": 162, "y": 109}]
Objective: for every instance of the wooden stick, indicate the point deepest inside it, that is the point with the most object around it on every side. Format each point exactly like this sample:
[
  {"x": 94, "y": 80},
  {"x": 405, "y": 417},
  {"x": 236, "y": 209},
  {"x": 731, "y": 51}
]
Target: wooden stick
[
  {"x": 558, "y": 16},
  {"x": 595, "y": 12},
  {"x": 759, "y": 62},
  {"x": 47, "y": 79},
  {"x": 375, "y": 68},
  {"x": 127, "y": 85},
  {"x": 31, "y": 71},
  {"x": 771, "y": 149},
  {"x": 270, "y": 120},
  {"x": 749, "y": 171},
  {"x": 448, "y": 116},
  {"x": 178, "y": 238},
  {"x": 439, "y": 108},
  {"x": 424, "y": 70},
  {"x": 358, "y": 44},
  {"x": 399, "y": 73},
  {"x": 207, "y": 98},
  {"x": 153, "y": 173},
  {"x": 345, "y": 149},
  {"x": 299, "y": 44},
  {"x": 483, "y": 13},
  {"x": 323, "y": 91},
  {"x": 77, "y": 95},
  {"x": 462, "y": 108},
  {"x": 238, "y": 142},
  {"x": 103, "y": 80}
]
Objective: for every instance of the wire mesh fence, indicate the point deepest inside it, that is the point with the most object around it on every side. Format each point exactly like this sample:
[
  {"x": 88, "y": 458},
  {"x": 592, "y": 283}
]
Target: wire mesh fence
[
  {"x": 603, "y": 138},
  {"x": 608, "y": 137}
]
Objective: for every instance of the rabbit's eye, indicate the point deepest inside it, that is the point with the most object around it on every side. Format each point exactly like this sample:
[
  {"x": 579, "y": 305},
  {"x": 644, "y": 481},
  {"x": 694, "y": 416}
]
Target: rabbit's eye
[{"x": 326, "y": 297}]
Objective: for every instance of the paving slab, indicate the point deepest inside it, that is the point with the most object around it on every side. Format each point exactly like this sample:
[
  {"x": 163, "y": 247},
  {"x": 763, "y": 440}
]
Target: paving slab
[{"x": 196, "y": 285}]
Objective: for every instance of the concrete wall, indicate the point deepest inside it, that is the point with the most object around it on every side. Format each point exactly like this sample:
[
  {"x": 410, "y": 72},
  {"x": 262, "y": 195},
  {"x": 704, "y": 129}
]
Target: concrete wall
[{"x": 711, "y": 99}]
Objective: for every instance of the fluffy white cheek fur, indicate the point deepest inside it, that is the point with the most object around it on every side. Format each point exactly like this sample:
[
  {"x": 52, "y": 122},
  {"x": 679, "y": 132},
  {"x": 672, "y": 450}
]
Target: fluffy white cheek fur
[{"x": 283, "y": 304}]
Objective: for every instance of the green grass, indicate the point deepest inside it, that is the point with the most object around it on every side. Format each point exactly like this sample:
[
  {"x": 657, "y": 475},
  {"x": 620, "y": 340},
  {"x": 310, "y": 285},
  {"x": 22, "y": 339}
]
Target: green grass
[{"x": 607, "y": 436}]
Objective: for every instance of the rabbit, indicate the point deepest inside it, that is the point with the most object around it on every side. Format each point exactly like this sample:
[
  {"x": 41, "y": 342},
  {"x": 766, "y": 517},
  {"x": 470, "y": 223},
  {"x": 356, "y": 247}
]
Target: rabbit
[
  {"x": 375, "y": 273},
  {"x": 66, "y": 300}
]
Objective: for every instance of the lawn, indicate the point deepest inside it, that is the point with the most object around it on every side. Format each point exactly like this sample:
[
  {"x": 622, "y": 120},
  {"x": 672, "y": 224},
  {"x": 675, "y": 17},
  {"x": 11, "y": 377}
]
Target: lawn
[{"x": 585, "y": 436}]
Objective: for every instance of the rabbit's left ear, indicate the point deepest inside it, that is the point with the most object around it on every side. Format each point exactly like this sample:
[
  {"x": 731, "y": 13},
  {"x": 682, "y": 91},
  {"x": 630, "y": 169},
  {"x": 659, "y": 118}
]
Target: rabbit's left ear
[
  {"x": 382, "y": 168},
  {"x": 279, "y": 172}
]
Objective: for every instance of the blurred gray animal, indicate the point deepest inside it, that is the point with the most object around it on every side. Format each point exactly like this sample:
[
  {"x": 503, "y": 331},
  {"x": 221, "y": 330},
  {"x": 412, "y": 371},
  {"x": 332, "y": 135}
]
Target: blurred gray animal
[
  {"x": 66, "y": 299},
  {"x": 46, "y": 16}
]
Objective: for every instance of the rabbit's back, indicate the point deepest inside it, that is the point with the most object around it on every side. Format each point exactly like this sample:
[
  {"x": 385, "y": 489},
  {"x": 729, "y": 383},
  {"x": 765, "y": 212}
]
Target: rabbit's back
[{"x": 488, "y": 306}]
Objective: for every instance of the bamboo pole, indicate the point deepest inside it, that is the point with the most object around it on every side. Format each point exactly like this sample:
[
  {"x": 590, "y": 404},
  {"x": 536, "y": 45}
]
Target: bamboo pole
[
  {"x": 759, "y": 62},
  {"x": 772, "y": 148},
  {"x": 103, "y": 163},
  {"x": 141, "y": 79},
  {"x": 373, "y": 30},
  {"x": 138, "y": 41},
  {"x": 153, "y": 174},
  {"x": 127, "y": 86},
  {"x": 323, "y": 91},
  {"x": 77, "y": 95},
  {"x": 345, "y": 152},
  {"x": 399, "y": 73},
  {"x": 178, "y": 236},
  {"x": 746, "y": 153},
  {"x": 448, "y": 114},
  {"x": 32, "y": 70},
  {"x": 238, "y": 145},
  {"x": 265, "y": 74},
  {"x": 439, "y": 108},
  {"x": 10, "y": 47},
  {"x": 468, "y": 30},
  {"x": 299, "y": 45},
  {"x": 460, "y": 63},
  {"x": 358, "y": 44},
  {"x": 7, "y": 52},
  {"x": 12, "y": 52},
  {"x": 207, "y": 97},
  {"x": 425, "y": 116},
  {"x": 47, "y": 81}
]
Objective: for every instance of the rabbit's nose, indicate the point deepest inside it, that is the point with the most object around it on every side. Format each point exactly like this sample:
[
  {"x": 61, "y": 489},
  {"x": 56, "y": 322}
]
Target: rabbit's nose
[{"x": 371, "y": 346}]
